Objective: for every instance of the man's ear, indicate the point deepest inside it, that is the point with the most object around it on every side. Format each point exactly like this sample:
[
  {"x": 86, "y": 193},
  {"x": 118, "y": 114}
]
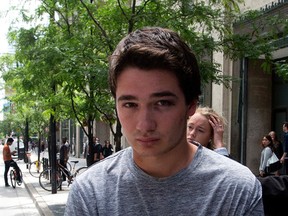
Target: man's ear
[{"x": 192, "y": 107}]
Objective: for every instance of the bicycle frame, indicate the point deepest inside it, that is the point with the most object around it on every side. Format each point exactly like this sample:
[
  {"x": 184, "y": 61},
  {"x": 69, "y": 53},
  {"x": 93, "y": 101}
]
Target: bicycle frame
[
  {"x": 45, "y": 176},
  {"x": 70, "y": 176},
  {"x": 64, "y": 170}
]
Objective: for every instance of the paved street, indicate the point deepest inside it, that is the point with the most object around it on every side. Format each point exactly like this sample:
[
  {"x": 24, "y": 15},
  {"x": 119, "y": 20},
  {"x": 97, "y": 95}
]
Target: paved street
[
  {"x": 14, "y": 201},
  {"x": 29, "y": 198}
]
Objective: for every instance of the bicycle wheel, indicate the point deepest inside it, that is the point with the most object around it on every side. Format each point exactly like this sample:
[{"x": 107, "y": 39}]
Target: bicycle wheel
[
  {"x": 13, "y": 178},
  {"x": 21, "y": 178},
  {"x": 35, "y": 168},
  {"x": 45, "y": 180},
  {"x": 80, "y": 171}
]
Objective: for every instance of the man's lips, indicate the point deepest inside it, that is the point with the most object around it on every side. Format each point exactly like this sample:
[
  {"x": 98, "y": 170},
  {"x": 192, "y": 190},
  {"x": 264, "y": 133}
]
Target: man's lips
[{"x": 147, "y": 139}]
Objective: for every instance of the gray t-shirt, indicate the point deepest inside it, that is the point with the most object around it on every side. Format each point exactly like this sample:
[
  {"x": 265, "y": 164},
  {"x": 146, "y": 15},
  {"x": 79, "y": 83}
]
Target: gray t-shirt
[{"x": 210, "y": 185}]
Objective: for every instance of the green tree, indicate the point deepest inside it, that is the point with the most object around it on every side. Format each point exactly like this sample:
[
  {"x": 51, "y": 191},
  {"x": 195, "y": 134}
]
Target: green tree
[{"x": 70, "y": 52}]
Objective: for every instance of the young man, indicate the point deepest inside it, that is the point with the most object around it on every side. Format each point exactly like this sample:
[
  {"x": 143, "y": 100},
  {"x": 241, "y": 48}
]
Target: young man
[
  {"x": 155, "y": 81},
  {"x": 9, "y": 162}
]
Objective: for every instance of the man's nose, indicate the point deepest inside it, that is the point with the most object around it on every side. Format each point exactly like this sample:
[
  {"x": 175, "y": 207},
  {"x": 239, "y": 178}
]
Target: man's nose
[{"x": 145, "y": 120}]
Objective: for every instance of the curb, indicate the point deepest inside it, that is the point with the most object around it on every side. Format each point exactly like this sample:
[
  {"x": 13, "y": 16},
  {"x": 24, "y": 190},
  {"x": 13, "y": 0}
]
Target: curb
[
  {"x": 39, "y": 202},
  {"x": 47, "y": 204}
]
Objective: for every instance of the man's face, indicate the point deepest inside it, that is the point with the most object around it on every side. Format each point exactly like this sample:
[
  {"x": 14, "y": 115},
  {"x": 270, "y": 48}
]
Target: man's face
[
  {"x": 199, "y": 129},
  {"x": 152, "y": 111}
]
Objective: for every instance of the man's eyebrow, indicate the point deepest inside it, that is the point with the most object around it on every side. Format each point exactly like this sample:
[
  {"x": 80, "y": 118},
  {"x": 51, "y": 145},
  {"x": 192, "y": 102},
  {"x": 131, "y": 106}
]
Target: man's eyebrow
[
  {"x": 126, "y": 97},
  {"x": 156, "y": 94},
  {"x": 164, "y": 94}
]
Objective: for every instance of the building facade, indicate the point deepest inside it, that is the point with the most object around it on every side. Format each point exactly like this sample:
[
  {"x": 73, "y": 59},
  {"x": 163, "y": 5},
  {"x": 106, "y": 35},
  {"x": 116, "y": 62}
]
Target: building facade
[{"x": 258, "y": 102}]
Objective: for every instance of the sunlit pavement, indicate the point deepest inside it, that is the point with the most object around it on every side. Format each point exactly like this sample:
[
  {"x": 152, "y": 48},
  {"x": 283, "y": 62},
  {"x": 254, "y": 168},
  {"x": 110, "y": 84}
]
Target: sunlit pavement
[
  {"x": 14, "y": 201},
  {"x": 29, "y": 198}
]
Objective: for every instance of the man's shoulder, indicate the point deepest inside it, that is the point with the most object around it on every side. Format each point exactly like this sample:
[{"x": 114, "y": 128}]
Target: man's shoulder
[
  {"x": 224, "y": 164},
  {"x": 108, "y": 167},
  {"x": 120, "y": 158},
  {"x": 6, "y": 147}
]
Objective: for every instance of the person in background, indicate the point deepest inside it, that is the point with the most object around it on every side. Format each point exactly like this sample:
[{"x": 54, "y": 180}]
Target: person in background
[
  {"x": 64, "y": 156},
  {"x": 207, "y": 127},
  {"x": 85, "y": 149},
  {"x": 284, "y": 159},
  {"x": 42, "y": 146},
  {"x": 9, "y": 162},
  {"x": 275, "y": 194},
  {"x": 98, "y": 150},
  {"x": 107, "y": 149},
  {"x": 266, "y": 153},
  {"x": 275, "y": 188},
  {"x": 278, "y": 147},
  {"x": 155, "y": 81}
]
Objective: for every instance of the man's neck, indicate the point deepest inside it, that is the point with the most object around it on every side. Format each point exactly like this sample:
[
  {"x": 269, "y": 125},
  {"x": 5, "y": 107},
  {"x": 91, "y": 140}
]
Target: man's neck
[{"x": 170, "y": 164}]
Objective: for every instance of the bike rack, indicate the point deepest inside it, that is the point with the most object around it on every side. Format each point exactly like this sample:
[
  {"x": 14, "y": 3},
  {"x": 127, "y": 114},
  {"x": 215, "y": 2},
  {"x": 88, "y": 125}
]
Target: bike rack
[{"x": 45, "y": 163}]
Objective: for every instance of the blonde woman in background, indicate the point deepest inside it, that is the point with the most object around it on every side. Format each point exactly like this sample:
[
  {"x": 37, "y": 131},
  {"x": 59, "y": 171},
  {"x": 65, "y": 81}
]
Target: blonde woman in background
[{"x": 207, "y": 128}]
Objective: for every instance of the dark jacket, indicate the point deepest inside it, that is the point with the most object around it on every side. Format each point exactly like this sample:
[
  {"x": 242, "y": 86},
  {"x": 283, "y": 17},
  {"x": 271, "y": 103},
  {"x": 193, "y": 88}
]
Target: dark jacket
[{"x": 275, "y": 194}]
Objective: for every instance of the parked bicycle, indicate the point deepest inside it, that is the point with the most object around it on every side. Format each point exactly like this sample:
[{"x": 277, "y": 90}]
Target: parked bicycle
[
  {"x": 35, "y": 168},
  {"x": 14, "y": 178},
  {"x": 45, "y": 176}
]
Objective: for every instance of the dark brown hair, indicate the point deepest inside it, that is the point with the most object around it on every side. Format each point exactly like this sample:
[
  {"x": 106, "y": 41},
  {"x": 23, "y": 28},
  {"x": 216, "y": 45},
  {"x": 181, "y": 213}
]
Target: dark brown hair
[
  {"x": 157, "y": 48},
  {"x": 269, "y": 138}
]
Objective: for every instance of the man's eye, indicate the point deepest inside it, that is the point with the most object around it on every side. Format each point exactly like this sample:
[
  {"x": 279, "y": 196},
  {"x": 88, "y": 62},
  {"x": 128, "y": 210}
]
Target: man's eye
[
  {"x": 129, "y": 105},
  {"x": 165, "y": 103}
]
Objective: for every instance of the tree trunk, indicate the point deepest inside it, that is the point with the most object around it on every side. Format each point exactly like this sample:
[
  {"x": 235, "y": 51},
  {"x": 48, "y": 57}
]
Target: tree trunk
[
  {"x": 90, "y": 155},
  {"x": 118, "y": 136},
  {"x": 26, "y": 139}
]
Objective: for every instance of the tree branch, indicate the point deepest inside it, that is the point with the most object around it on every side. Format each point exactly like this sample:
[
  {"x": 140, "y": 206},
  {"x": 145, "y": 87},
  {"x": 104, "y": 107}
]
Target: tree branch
[{"x": 104, "y": 34}]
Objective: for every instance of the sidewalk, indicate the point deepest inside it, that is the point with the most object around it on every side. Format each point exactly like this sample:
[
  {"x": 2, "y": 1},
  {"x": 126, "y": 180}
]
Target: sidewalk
[{"x": 46, "y": 202}]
